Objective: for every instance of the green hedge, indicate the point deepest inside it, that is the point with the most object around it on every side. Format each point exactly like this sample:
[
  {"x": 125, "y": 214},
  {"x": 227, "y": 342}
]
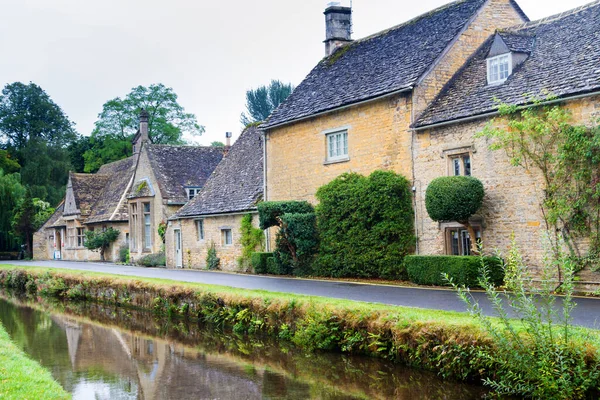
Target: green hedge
[
  {"x": 268, "y": 211},
  {"x": 153, "y": 260},
  {"x": 464, "y": 270},
  {"x": 259, "y": 262},
  {"x": 273, "y": 267},
  {"x": 453, "y": 198}
]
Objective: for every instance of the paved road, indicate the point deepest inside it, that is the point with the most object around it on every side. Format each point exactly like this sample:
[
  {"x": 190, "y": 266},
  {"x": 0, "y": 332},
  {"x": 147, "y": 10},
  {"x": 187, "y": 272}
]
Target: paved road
[{"x": 587, "y": 312}]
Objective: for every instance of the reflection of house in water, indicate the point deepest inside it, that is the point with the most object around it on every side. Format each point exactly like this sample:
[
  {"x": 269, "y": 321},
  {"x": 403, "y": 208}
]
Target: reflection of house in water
[{"x": 160, "y": 370}]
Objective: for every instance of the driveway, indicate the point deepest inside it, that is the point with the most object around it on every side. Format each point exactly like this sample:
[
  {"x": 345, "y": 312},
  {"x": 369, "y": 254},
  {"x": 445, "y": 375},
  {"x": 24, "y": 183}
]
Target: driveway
[{"x": 587, "y": 312}]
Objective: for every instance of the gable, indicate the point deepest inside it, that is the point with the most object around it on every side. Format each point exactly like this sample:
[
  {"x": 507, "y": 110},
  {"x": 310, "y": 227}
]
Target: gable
[
  {"x": 498, "y": 47},
  {"x": 70, "y": 207}
]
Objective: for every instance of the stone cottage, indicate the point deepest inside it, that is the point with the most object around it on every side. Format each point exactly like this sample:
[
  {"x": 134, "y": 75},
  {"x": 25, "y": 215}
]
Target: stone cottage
[
  {"x": 559, "y": 55},
  {"x": 133, "y": 195},
  {"x": 213, "y": 217}
]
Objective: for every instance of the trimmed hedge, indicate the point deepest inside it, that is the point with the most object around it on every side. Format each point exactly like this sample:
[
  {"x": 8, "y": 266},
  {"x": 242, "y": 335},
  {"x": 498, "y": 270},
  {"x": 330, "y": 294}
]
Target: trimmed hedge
[
  {"x": 268, "y": 211},
  {"x": 464, "y": 270},
  {"x": 259, "y": 262},
  {"x": 453, "y": 198},
  {"x": 153, "y": 260}
]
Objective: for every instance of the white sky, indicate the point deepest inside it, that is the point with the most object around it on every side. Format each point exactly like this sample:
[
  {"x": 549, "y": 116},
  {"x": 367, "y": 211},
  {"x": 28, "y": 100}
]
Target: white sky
[{"x": 84, "y": 52}]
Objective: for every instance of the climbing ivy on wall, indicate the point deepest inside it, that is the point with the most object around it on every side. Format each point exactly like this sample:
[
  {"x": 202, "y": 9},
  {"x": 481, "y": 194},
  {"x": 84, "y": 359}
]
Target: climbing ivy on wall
[{"x": 252, "y": 239}]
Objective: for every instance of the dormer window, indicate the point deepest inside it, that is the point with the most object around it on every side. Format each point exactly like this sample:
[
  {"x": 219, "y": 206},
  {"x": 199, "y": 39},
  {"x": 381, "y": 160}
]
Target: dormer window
[
  {"x": 499, "y": 68},
  {"x": 192, "y": 192}
]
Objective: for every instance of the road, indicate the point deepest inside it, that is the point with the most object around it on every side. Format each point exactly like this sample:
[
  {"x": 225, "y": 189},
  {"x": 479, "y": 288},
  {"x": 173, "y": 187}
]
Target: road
[{"x": 587, "y": 312}]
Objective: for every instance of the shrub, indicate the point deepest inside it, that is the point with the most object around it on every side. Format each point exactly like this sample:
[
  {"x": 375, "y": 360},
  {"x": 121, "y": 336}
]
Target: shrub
[
  {"x": 153, "y": 260},
  {"x": 270, "y": 211},
  {"x": 273, "y": 267},
  {"x": 251, "y": 239},
  {"x": 464, "y": 270},
  {"x": 212, "y": 261},
  {"x": 297, "y": 240},
  {"x": 259, "y": 262},
  {"x": 100, "y": 240},
  {"x": 124, "y": 254},
  {"x": 365, "y": 226}
]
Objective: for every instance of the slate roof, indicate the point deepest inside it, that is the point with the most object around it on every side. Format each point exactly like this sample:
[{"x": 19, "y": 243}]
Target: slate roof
[
  {"x": 87, "y": 189},
  {"x": 55, "y": 219},
  {"x": 380, "y": 64},
  {"x": 178, "y": 167},
  {"x": 108, "y": 206},
  {"x": 564, "y": 61},
  {"x": 236, "y": 184}
]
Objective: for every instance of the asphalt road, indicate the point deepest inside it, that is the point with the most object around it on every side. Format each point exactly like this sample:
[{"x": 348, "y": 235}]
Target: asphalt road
[{"x": 586, "y": 313}]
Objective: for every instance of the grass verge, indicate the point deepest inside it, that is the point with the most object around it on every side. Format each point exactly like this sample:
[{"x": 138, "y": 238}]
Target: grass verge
[
  {"x": 22, "y": 378},
  {"x": 449, "y": 343}
]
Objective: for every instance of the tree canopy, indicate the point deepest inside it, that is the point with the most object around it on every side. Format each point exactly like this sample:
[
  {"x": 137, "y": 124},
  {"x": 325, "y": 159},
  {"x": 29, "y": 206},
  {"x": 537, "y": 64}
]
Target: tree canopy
[
  {"x": 261, "y": 102},
  {"x": 119, "y": 121}
]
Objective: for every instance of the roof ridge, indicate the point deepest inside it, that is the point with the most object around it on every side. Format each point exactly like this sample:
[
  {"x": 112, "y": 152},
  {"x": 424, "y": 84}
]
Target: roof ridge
[
  {"x": 187, "y": 146},
  {"x": 411, "y": 21},
  {"x": 554, "y": 17}
]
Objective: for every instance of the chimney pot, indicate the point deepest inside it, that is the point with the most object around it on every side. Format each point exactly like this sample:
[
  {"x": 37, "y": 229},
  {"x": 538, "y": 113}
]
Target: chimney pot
[{"x": 338, "y": 27}]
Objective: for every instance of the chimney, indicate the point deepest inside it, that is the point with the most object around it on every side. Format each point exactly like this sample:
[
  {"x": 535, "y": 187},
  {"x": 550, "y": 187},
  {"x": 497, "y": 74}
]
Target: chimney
[
  {"x": 227, "y": 142},
  {"x": 143, "y": 125},
  {"x": 338, "y": 27}
]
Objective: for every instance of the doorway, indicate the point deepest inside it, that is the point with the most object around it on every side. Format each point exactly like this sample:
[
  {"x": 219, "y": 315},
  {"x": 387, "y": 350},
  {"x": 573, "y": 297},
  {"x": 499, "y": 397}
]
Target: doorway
[{"x": 178, "y": 252}]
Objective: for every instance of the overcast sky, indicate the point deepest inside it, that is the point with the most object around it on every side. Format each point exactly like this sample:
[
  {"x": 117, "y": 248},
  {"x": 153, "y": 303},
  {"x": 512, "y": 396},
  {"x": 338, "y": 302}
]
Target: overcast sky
[{"x": 83, "y": 53}]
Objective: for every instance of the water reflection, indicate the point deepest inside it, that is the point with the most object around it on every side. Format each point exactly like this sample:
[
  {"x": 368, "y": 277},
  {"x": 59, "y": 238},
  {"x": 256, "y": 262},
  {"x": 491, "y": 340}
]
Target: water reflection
[{"x": 105, "y": 352}]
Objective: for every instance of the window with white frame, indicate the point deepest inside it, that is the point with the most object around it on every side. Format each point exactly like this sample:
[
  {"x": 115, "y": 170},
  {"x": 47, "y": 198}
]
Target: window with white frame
[
  {"x": 80, "y": 237},
  {"x": 147, "y": 227},
  {"x": 192, "y": 192},
  {"x": 200, "y": 229},
  {"x": 499, "y": 68},
  {"x": 337, "y": 146},
  {"x": 226, "y": 237},
  {"x": 460, "y": 164}
]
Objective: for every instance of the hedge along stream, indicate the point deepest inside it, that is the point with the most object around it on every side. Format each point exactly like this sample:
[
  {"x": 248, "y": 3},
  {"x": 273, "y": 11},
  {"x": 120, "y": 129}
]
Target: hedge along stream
[{"x": 444, "y": 342}]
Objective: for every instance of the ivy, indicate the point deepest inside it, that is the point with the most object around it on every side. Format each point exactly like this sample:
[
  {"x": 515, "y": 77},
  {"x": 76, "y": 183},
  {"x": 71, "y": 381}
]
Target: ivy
[{"x": 252, "y": 239}]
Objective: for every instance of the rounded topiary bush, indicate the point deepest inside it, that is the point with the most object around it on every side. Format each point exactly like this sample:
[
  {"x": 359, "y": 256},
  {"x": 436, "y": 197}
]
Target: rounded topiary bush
[{"x": 453, "y": 198}]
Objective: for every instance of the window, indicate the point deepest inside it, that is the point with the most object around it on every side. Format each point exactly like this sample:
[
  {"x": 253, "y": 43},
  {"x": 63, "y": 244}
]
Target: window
[
  {"x": 192, "y": 192},
  {"x": 71, "y": 235},
  {"x": 80, "y": 237},
  {"x": 458, "y": 241},
  {"x": 200, "y": 229},
  {"x": 460, "y": 165},
  {"x": 134, "y": 226},
  {"x": 499, "y": 68},
  {"x": 226, "y": 237},
  {"x": 147, "y": 227},
  {"x": 337, "y": 146}
]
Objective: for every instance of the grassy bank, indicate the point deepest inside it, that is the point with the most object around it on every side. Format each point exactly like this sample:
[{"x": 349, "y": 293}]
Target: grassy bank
[
  {"x": 448, "y": 343},
  {"x": 22, "y": 378}
]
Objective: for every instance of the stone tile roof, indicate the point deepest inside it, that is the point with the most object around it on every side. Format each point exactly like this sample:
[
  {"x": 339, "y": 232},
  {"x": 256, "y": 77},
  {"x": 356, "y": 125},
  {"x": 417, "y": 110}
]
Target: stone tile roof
[
  {"x": 178, "y": 167},
  {"x": 110, "y": 205},
  {"x": 564, "y": 61},
  {"x": 56, "y": 219},
  {"x": 87, "y": 189},
  {"x": 386, "y": 62},
  {"x": 237, "y": 183},
  {"x": 518, "y": 43}
]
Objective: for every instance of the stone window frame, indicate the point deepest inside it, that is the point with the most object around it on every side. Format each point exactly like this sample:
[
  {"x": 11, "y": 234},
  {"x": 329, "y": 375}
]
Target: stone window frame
[
  {"x": 147, "y": 230},
  {"x": 329, "y": 134},
  {"x": 71, "y": 236},
  {"x": 225, "y": 236},
  {"x": 496, "y": 77},
  {"x": 448, "y": 227},
  {"x": 200, "y": 231},
  {"x": 460, "y": 152},
  {"x": 134, "y": 228},
  {"x": 192, "y": 192},
  {"x": 80, "y": 232}
]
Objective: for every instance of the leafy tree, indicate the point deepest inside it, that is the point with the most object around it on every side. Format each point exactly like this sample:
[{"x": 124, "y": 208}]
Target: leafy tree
[
  {"x": 455, "y": 198},
  {"x": 76, "y": 150},
  {"x": 261, "y": 102},
  {"x": 23, "y": 223},
  {"x": 217, "y": 144},
  {"x": 7, "y": 163},
  {"x": 11, "y": 195},
  {"x": 365, "y": 225},
  {"x": 36, "y": 131},
  {"x": 100, "y": 240},
  {"x": 119, "y": 121},
  {"x": 28, "y": 113}
]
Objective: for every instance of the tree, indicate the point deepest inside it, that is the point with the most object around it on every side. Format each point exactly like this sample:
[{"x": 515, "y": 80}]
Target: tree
[
  {"x": 261, "y": 102},
  {"x": 24, "y": 222},
  {"x": 11, "y": 195},
  {"x": 76, "y": 150},
  {"x": 28, "y": 113},
  {"x": 119, "y": 121},
  {"x": 455, "y": 198},
  {"x": 7, "y": 163},
  {"x": 100, "y": 240},
  {"x": 36, "y": 131},
  {"x": 217, "y": 144}
]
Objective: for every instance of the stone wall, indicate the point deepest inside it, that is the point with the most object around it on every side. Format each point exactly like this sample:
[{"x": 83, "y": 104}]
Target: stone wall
[
  {"x": 378, "y": 138},
  {"x": 194, "y": 251},
  {"x": 495, "y": 14},
  {"x": 513, "y": 195}
]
